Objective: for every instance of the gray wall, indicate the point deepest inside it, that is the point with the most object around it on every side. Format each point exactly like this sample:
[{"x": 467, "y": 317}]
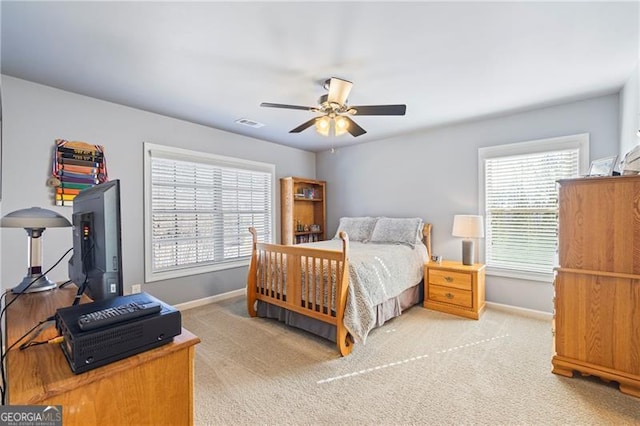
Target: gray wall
[
  {"x": 36, "y": 115},
  {"x": 433, "y": 174}
]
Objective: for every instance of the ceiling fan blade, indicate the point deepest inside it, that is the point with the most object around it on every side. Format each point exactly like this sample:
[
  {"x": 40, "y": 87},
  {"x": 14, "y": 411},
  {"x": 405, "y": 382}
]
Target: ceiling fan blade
[
  {"x": 353, "y": 128},
  {"x": 380, "y": 109},
  {"x": 270, "y": 105},
  {"x": 339, "y": 90},
  {"x": 304, "y": 126}
]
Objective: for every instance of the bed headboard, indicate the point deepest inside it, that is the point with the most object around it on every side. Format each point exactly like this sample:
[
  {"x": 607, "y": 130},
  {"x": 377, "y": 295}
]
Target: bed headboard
[{"x": 426, "y": 238}]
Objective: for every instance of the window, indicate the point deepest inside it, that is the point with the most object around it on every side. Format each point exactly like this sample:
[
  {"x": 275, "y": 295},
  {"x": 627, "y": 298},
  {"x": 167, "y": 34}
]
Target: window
[
  {"x": 519, "y": 199},
  {"x": 198, "y": 209}
]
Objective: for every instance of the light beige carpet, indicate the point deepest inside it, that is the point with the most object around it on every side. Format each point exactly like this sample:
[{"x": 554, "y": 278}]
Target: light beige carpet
[{"x": 424, "y": 367}]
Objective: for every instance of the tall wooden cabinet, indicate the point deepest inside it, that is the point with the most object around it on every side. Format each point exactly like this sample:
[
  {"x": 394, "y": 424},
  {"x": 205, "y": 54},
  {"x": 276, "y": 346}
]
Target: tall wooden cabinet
[
  {"x": 303, "y": 210},
  {"x": 597, "y": 286}
]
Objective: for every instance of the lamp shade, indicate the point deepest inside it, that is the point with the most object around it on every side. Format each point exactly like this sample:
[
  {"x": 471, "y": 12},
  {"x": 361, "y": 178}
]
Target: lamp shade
[
  {"x": 34, "y": 220},
  {"x": 468, "y": 226},
  {"x": 34, "y": 217}
]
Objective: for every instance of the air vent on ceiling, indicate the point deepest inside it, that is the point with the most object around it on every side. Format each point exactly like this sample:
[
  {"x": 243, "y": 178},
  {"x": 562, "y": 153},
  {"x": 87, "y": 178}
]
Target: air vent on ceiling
[{"x": 250, "y": 123}]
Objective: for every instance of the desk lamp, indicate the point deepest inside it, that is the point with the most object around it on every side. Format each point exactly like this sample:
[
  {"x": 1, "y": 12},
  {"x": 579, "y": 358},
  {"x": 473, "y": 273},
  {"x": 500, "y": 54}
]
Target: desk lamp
[
  {"x": 34, "y": 220},
  {"x": 468, "y": 227}
]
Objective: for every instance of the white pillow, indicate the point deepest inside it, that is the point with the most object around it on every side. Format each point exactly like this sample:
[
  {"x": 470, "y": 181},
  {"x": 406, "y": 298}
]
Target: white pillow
[
  {"x": 357, "y": 228},
  {"x": 397, "y": 231}
]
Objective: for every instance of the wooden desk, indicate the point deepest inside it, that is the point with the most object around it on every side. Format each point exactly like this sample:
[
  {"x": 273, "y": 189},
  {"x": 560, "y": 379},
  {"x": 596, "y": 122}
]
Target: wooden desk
[{"x": 154, "y": 387}]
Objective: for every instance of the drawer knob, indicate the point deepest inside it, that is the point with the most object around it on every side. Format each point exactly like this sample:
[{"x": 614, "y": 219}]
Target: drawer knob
[
  {"x": 448, "y": 279},
  {"x": 449, "y": 296}
]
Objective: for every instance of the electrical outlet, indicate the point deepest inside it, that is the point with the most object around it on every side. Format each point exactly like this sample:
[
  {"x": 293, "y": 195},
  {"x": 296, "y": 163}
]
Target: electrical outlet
[{"x": 136, "y": 288}]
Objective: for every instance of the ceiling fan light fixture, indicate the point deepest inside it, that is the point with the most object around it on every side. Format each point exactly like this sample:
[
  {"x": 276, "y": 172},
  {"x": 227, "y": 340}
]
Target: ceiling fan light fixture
[
  {"x": 335, "y": 120},
  {"x": 332, "y": 126},
  {"x": 341, "y": 125},
  {"x": 323, "y": 125}
]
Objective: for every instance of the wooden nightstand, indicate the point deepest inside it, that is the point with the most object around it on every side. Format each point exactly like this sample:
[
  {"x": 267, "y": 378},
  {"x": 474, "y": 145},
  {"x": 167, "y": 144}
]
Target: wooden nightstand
[{"x": 454, "y": 288}]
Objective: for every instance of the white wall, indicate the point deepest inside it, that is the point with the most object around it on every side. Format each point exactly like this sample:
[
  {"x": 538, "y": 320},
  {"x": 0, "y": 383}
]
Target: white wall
[
  {"x": 433, "y": 174},
  {"x": 629, "y": 114},
  {"x": 0, "y": 178},
  {"x": 35, "y": 115},
  {"x": 630, "y": 108}
]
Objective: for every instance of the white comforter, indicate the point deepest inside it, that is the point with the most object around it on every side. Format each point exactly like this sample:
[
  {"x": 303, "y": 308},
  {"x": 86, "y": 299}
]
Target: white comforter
[{"x": 377, "y": 272}]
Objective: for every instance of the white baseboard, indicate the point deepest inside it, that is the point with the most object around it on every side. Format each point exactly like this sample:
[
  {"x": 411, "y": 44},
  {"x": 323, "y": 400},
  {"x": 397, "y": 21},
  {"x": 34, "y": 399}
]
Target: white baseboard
[
  {"x": 241, "y": 292},
  {"x": 520, "y": 311},
  {"x": 211, "y": 299}
]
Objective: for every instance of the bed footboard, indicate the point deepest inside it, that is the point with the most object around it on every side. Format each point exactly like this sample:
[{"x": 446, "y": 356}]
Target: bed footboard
[{"x": 308, "y": 281}]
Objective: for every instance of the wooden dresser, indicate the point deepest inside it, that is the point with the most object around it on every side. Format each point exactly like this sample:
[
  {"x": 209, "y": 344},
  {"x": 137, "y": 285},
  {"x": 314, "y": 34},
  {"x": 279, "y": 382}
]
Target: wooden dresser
[
  {"x": 597, "y": 285},
  {"x": 454, "y": 288},
  {"x": 153, "y": 387}
]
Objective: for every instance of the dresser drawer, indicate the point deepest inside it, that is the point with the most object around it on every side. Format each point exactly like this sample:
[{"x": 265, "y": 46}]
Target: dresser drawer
[
  {"x": 450, "y": 295},
  {"x": 450, "y": 279}
]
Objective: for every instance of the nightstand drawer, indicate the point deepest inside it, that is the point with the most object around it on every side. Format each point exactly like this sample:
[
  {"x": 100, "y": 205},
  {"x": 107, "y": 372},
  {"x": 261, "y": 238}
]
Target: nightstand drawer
[
  {"x": 450, "y": 279},
  {"x": 450, "y": 295}
]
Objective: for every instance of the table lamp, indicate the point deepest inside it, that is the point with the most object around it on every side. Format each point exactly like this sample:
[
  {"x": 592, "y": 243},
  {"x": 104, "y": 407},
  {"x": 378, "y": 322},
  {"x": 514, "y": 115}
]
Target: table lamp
[
  {"x": 468, "y": 227},
  {"x": 34, "y": 220}
]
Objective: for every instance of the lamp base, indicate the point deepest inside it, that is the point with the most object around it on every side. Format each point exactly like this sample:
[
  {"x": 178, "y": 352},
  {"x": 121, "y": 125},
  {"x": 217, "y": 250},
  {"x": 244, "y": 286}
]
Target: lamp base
[
  {"x": 468, "y": 252},
  {"x": 42, "y": 283}
]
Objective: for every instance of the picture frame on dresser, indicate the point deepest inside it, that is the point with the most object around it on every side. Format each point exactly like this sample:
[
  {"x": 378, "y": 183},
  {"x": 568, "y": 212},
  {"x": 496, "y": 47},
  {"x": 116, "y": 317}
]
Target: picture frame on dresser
[{"x": 603, "y": 166}]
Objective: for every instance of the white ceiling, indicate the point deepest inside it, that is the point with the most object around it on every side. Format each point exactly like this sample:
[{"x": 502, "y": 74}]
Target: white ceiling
[{"x": 214, "y": 62}]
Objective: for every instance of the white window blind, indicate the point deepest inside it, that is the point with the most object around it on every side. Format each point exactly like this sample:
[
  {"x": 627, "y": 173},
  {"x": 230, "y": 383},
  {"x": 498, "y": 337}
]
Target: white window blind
[
  {"x": 200, "y": 209},
  {"x": 521, "y": 208}
]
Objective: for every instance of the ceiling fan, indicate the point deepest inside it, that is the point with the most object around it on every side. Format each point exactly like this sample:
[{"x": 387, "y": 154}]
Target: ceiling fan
[{"x": 335, "y": 111}]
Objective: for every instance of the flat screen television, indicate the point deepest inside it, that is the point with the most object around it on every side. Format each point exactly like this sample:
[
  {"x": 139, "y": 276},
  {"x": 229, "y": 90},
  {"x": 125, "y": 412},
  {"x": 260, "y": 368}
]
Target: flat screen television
[{"x": 96, "y": 264}]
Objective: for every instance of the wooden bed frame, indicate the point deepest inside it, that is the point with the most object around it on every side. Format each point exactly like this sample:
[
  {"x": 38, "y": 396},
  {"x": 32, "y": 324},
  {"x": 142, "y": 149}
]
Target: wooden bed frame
[{"x": 274, "y": 277}]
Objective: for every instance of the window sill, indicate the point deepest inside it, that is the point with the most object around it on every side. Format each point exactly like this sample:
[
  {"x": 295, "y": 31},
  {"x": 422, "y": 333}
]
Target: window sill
[
  {"x": 521, "y": 275},
  {"x": 185, "y": 272}
]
